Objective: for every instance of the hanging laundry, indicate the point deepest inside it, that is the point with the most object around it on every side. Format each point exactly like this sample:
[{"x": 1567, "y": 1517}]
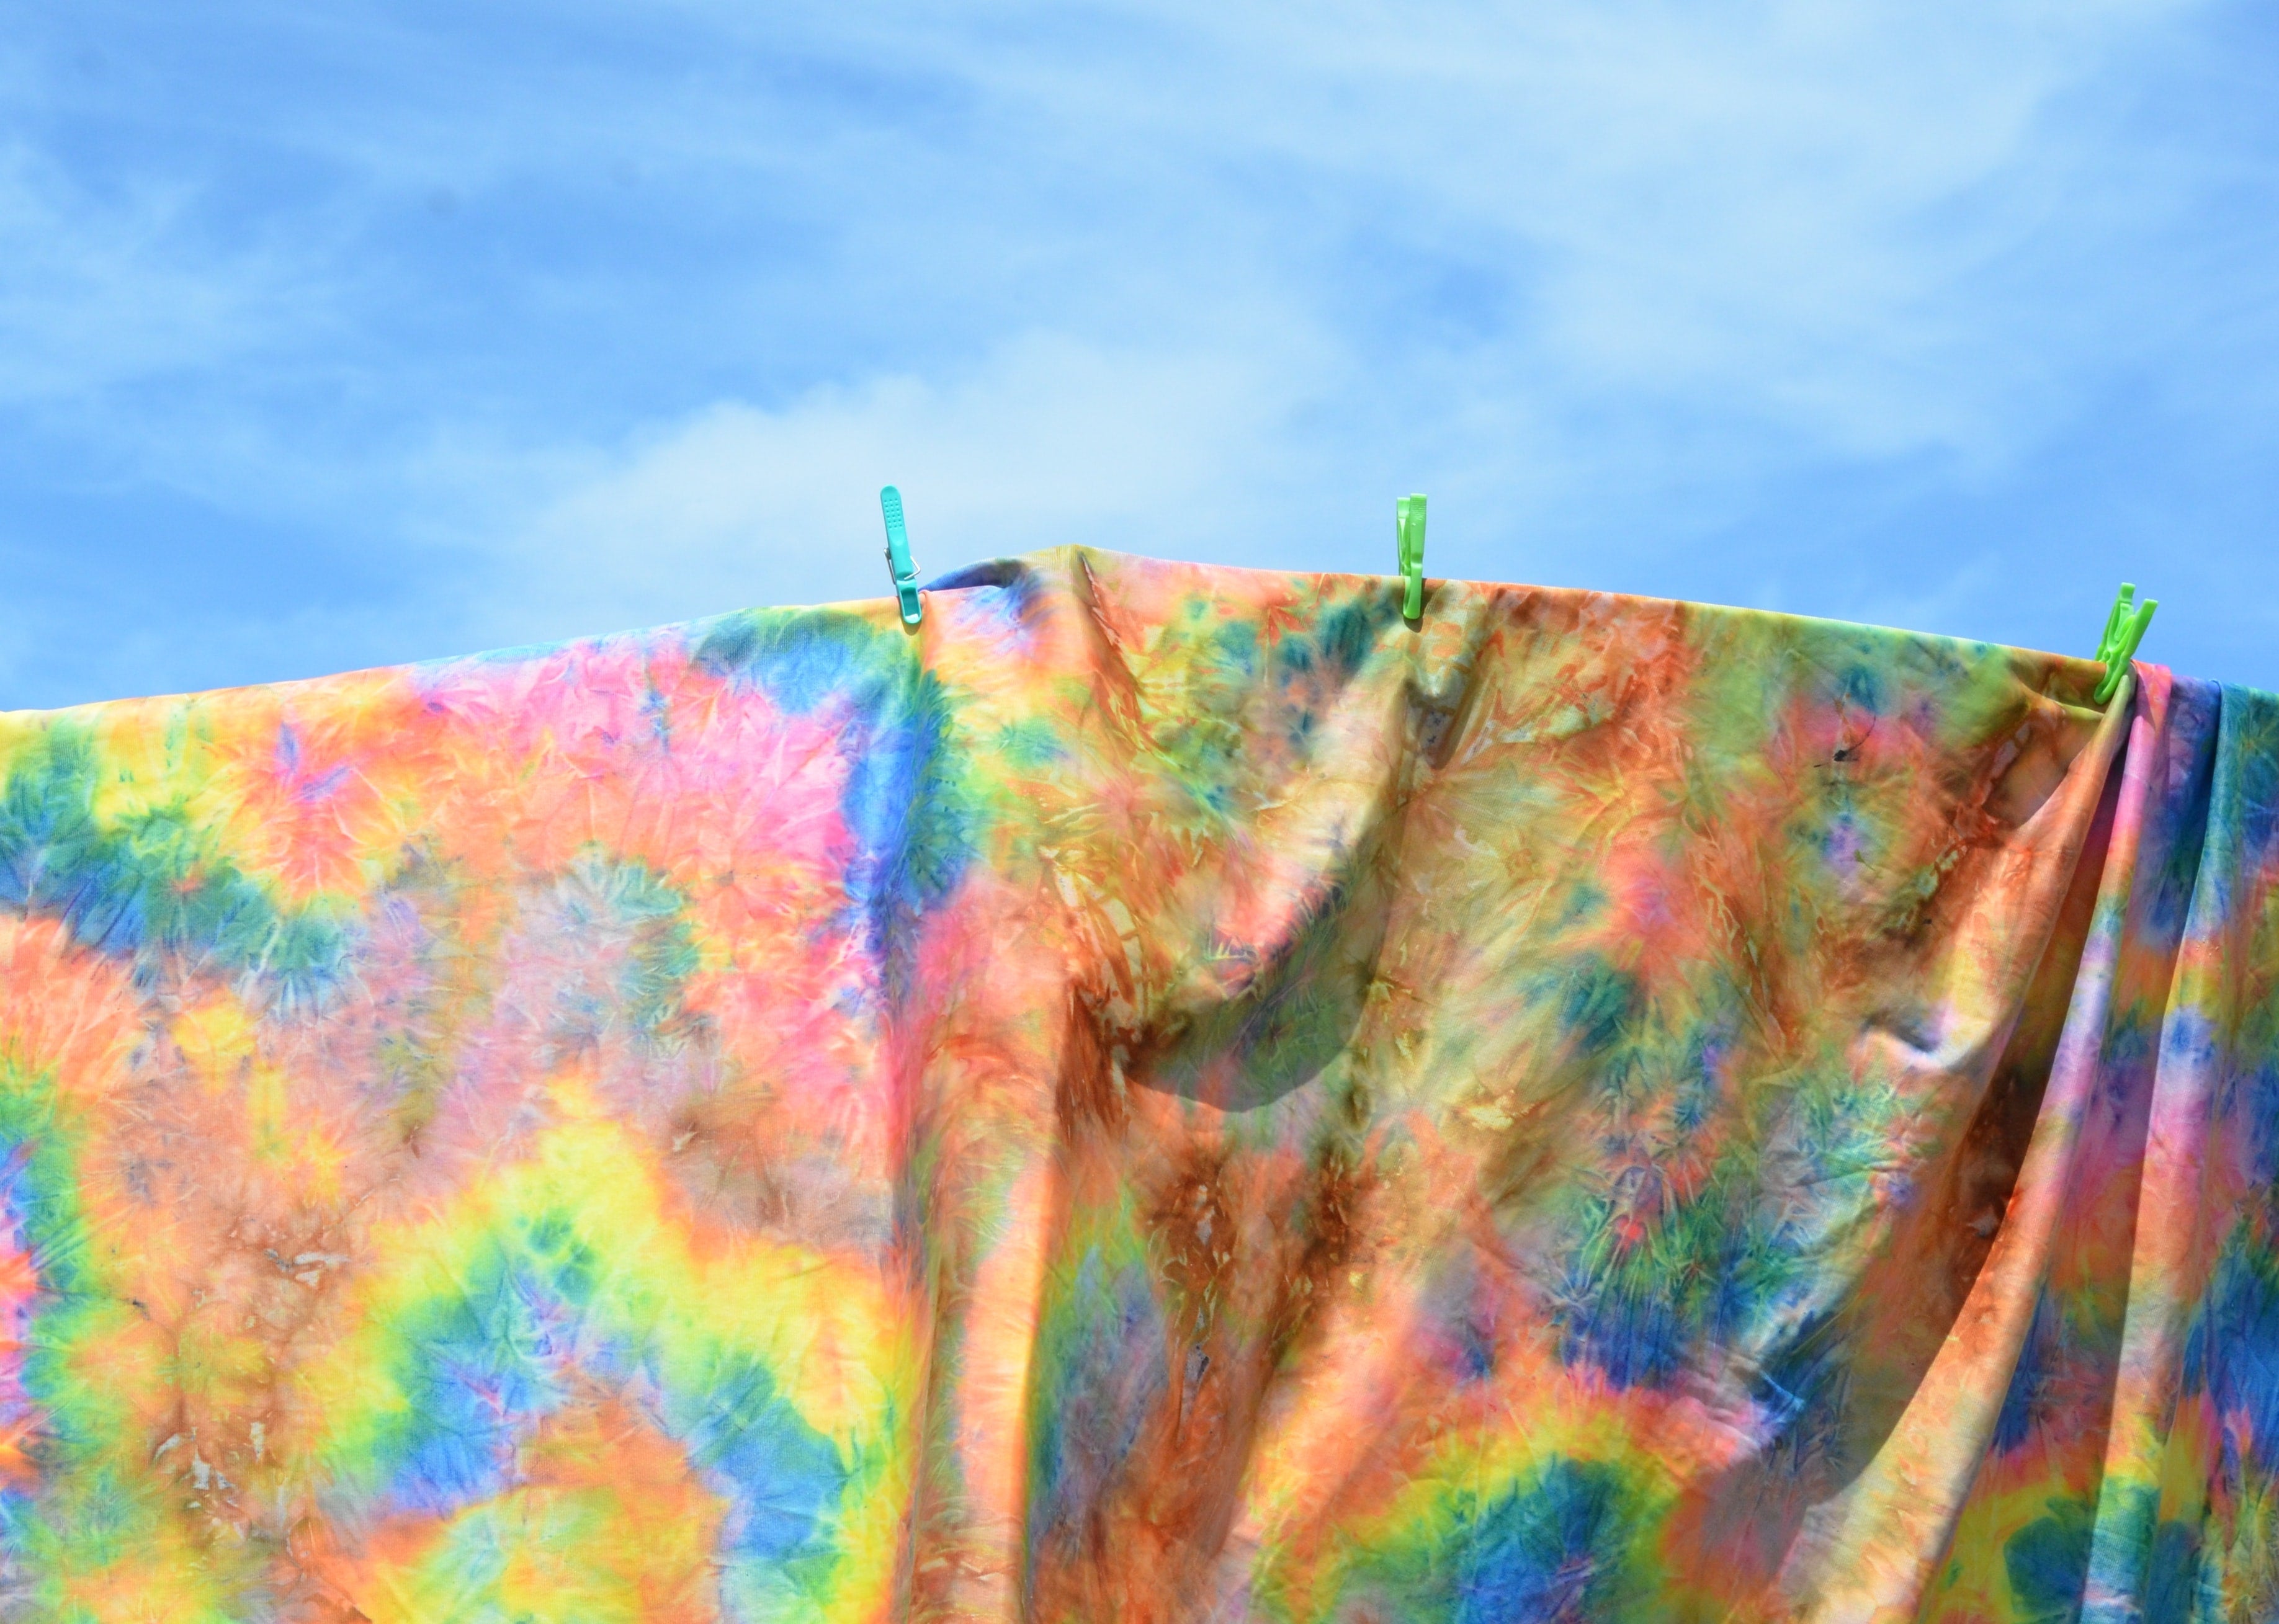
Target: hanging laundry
[{"x": 1155, "y": 1093}]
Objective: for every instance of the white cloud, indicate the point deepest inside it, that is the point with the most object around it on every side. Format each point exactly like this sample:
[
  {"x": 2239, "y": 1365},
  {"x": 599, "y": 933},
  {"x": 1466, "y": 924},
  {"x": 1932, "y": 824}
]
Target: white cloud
[
  {"x": 1731, "y": 246},
  {"x": 1718, "y": 247},
  {"x": 1193, "y": 279},
  {"x": 1791, "y": 211},
  {"x": 1048, "y": 441}
]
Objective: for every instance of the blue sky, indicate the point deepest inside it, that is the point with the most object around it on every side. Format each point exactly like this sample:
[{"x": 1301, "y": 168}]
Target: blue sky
[{"x": 342, "y": 334}]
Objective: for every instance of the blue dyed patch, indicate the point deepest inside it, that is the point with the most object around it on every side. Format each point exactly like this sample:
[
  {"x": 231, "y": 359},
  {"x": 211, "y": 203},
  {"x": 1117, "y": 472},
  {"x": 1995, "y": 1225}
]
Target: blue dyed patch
[
  {"x": 2131, "y": 1044},
  {"x": 1234, "y": 650},
  {"x": 2192, "y": 730},
  {"x": 2254, "y": 1108},
  {"x": 149, "y": 883},
  {"x": 1659, "y": 1268},
  {"x": 1862, "y": 688},
  {"x": 1475, "y": 1349},
  {"x": 2232, "y": 1352},
  {"x": 2047, "y": 1561},
  {"x": 780, "y": 1477},
  {"x": 1636, "y": 1339},
  {"x": 561, "y": 1271},
  {"x": 484, "y": 1368},
  {"x": 2247, "y": 774},
  {"x": 1101, "y": 1371},
  {"x": 2020, "y": 1402},
  {"x": 2189, "y": 1039},
  {"x": 1584, "y": 902},
  {"x": 22, "y": 1209},
  {"x": 800, "y": 658},
  {"x": 912, "y": 822},
  {"x": 1597, "y": 1004},
  {"x": 660, "y": 952},
  {"x": 475, "y": 1379},
  {"x": 1701, "y": 1087},
  {"x": 2172, "y": 1577},
  {"x": 1800, "y": 1388},
  {"x": 1340, "y": 641},
  {"x": 40, "y": 1202},
  {"x": 1552, "y": 1551},
  {"x": 1840, "y": 845}
]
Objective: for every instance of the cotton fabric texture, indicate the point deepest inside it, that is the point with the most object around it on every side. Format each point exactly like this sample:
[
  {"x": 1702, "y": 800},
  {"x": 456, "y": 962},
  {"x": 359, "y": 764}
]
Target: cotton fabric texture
[{"x": 1167, "y": 1093}]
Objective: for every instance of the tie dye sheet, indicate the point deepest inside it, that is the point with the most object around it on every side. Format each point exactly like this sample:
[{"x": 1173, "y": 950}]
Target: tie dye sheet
[{"x": 1168, "y": 1093}]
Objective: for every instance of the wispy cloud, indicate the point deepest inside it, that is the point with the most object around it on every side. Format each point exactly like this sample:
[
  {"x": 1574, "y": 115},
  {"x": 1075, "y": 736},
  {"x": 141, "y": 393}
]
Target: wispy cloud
[
  {"x": 102, "y": 290},
  {"x": 1046, "y": 440},
  {"x": 589, "y": 315}
]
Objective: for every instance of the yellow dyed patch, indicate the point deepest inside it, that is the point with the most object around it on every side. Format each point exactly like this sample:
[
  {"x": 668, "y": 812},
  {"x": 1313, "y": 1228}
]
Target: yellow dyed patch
[
  {"x": 583, "y": 1535},
  {"x": 217, "y": 1038}
]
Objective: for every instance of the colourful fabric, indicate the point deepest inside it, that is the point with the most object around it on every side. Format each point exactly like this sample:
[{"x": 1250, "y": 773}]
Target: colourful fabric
[{"x": 1168, "y": 1093}]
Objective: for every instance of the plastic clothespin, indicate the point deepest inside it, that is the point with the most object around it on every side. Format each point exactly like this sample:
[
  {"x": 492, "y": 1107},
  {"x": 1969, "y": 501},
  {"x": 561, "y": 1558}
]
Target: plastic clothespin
[
  {"x": 899, "y": 566},
  {"x": 1409, "y": 542},
  {"x": 2124, "y": 629}
]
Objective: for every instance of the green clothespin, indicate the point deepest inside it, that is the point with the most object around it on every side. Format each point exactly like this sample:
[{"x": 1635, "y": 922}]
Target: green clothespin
[
  {"x": 905, "y": 573},
  {"x": 2124, "y": 629},
  {"x": 1409, "y": 543}
]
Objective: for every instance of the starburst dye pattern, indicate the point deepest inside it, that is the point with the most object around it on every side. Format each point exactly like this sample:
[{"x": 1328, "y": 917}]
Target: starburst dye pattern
[{"x": 1168, "y": 1093}]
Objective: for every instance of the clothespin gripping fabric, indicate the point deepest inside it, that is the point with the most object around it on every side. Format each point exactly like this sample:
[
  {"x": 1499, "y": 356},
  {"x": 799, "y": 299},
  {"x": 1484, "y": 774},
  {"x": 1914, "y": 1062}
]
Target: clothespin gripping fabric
[
  {"x": 2124, "y": 629},
  {"x": 1409, "y": 545},
  {"x": 899, "y": 564}
]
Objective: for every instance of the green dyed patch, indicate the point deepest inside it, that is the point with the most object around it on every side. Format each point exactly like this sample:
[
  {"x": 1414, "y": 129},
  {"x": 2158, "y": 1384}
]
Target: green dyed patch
[{"x": 152, "y": 882}]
